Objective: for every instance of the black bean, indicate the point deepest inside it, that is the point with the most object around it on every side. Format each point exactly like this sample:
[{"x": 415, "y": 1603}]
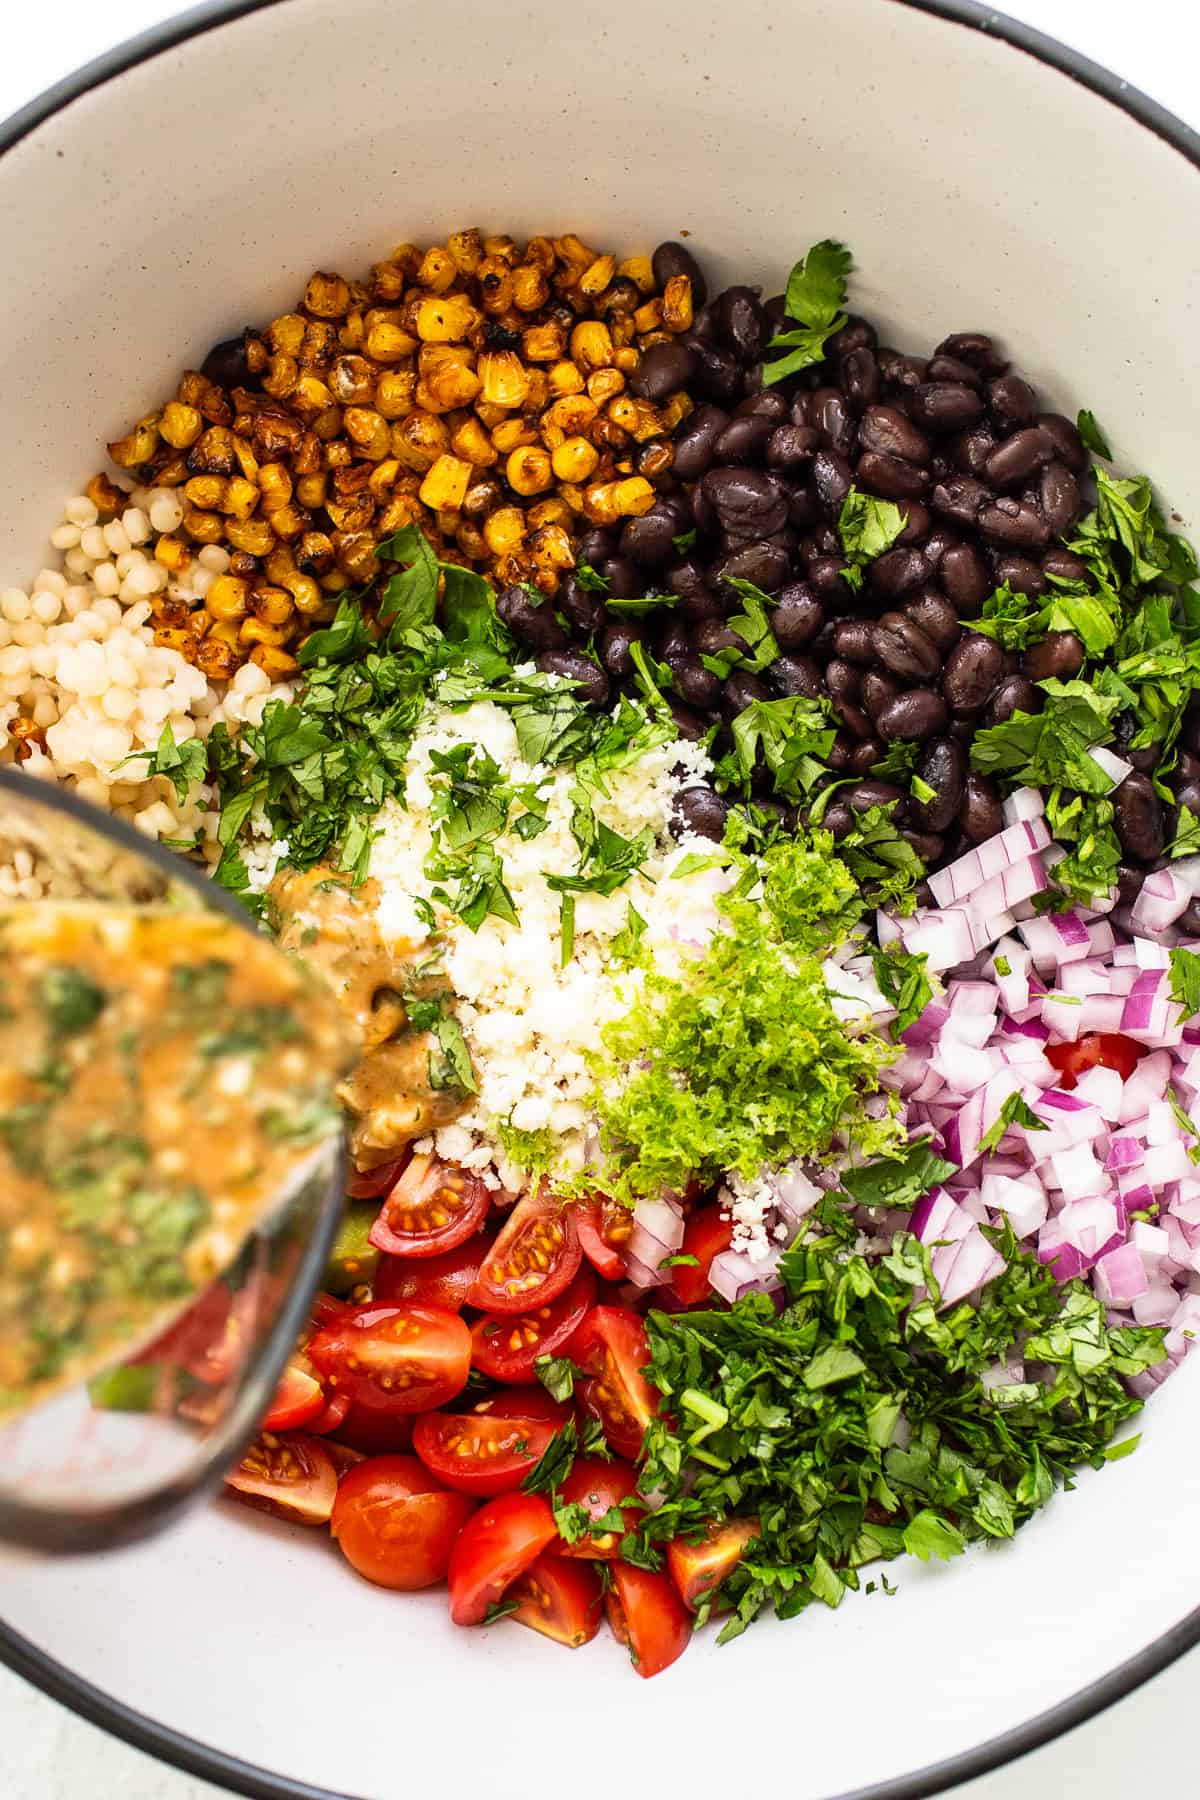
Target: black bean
[
  {"x": 916, "y": 523},
  {"x": 963, "y": 574},
  {"x": 1187, "y": 793},
  {"x": 670, "y": 636},
  {"x": 792, "y": 446},
  {"x": 975, "y": 348},
  {"x": 767, "y": 405},
  {"x": 860, "y": 378},
  {"x": 877, "y": 689},
  {"x": 829, "y": 583},
  {"x": 936, "y": 617},
  {"x": 891, "y": 478},
  {"x": 929, "y": 845},
  {"x": 856, "y": 334},
  {"x": 830, "y": 415},
  {"x": 842, "y": 680},
  {"x": 854, "y": 719},
  {"x": 614, "y": 645},
  {"x": 687, "y": 576},
  {"x": 1007, "y": 521},
  {"x": 980, "y": 815},
  {"x": 798, "y": 407},
  {"x": 1129, "y": 882},
  {"x": 742, "y": 323},
  {"x": 945, "y": 405},
  {"x": 690, "y": 725},
  {"x": 226, "y": 362},
  {"x": 596, "y": 544},
  {"x": 1059, "y": 653},
  {"x": 1064, "y": 563},
  {"x": 804, "y": 508},
  {"x": 973, "y": 668},
  {"x": 939, "y": 540},
  {"x": 942, "y": 767},
  {"x": 970, "y": 450},
  {"x": 841, "y": 750},
  {"x": 832, "y": 479},
  {"x": 791, "y": 675},
  {"x": 742, "y": 690},
  {"x": 902, "y": 372},
  {"x": 649, "y": 540},
  {"x": 1016, "y": 693},
  {"x": 533, "y": 625},
  {"x": 852, "y": 640},
  {"x": 1068, "y": 445},
  {"x": 917, "y": 714},
  {"x": 700, "y": 811},
  {"x": 1011, "y": 401},
  {"x": 1020, "y": 572},
  {"x": 743, "y": 440},
  {"x": 695, "y": 684},
  {"x": 625, "y": 580},
  {"x": 675, "y": 259},
  {"x": 763, "y": 563},
  {"x": 1058, "y": 496},
  {"x": 823, "y": 540},
  {"x": 865, "y": 794},
  {"x": 584, "y": 607},
  {"x": 748, "y": 503},
  {"x": 1189, "y": 920},
  {"x": 961, "y": 498},
  {"x": 712, "y": 636},
  {"x": 701, "y": 603},
  {"x": 897, "y": 572},
  {"x": 887, "y": 429},
  {"x": 962, "y": 730},
  {"x": 952, "y": 368},
  {"x": 717, "y": 375},
  {"x": 694, "y": 440},
  {"x": 664, "y": 369},
  {"x": 902, "y": 647},
  {"x": 1018, "y": 456},
  {"x": 798, "y": 617},
  {"x": 838, "y": 820},
  {"x": 1138, "y": 817},
  {"x": 593, "y": 686},
  {"x": 865, "y": 755}
]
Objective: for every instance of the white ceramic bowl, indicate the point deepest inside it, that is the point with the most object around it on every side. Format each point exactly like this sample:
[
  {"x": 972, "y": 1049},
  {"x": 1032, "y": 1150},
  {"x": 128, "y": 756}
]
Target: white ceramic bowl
[{"x": 984, "y": 178}]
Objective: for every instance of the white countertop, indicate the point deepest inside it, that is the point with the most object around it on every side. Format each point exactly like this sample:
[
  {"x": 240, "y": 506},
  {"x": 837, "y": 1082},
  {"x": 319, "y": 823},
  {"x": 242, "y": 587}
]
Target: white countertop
[{"x": 47, "y": 1753}]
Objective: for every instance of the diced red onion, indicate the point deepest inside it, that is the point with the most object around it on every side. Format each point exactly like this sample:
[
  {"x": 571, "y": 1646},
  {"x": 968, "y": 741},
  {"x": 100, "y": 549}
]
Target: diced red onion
[
  {"x": 1113, "y": 766},
  {"x": 733, "y": 1275}
]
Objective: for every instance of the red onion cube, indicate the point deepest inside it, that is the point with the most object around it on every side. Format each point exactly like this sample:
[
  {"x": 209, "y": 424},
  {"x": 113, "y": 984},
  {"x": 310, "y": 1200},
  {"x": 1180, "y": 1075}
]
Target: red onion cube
[
  {"x": 1023, "y": 1202},
  {"x": 1121, "y": 1277},
  {"x": 1148, "y": 1082},
  {"x": 1089, "y": 1224},
  {"x": 1167, "y": 1162},
  {"x": 1075, "y": 1171},
  {"x": 974, "y": 1264},
  {"x": 1022, "y": 805},
  {"x": 957, "y": 879},
  {"x": 1125, "y": 1151},
  {"x": 1062, "y": 1013},
  {"x": 1149, "y": 955},
  {"x": 1101, "y": 1088},
  {"x": 1150, "y": 1241},
  {"x": 1156, "y": 1305},
  {"x": 943, "y": 937}
]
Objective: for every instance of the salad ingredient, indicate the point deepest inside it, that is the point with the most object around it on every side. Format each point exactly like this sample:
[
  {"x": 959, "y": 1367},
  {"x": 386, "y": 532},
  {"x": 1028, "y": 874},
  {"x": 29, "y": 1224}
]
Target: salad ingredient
[
  {"x": 612, "y": 1349},
  {"x": 395, "y": 1525},
  {"x": 707, "y": 1235},
  {"x": 595, "y": 1505},
  {"x": 443, "y": 1280},
  {"x": 604, "y": 1233},
  {"x": 498, "y": 1544},
  {"x": 431, "y": 1209},
  {"x": 534, "y": 1258},
  {"x": 299, "y": 1401},
  {"x": 294, "y": 1477},
  {"x": 559, "y": 1598},
  {"x": 698, "y": 1568},
  {"x": 647, "y": 1614},
  {"x": 402, "y": 1359},
  {"x": 508, "y": 1346},
  {"x": 353, "y": 1259},
  {"x": 488, "y": 1451}
]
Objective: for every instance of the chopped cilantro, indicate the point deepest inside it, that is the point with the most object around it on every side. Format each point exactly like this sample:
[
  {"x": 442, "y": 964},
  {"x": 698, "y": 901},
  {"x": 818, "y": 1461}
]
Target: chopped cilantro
[
  {"x": 904, "y": 984},
  {"x": 1185, "y": 979},
  {"x": 558, "y": 1375},
  {"x": 1015, "y": 1111},
  {"x": 816, "y": 292},
  {"x": 555, "y": 1462},
  {"x": 1186, "y": 841},
  {"x": 1093, "y": 437},
  {"x": 72, "y": 1000},
  {"x": 684, "y": 541},
  {"x": 793, "y": 737},
  {"x": 897, "y": 1182},
  {"x": 182, "y": 764},
  {"x": 589, "y": 578},
  {"x": 867, "y": 527},
  {"x": 753, "y": 627},
  {"x": 453, "y": 1068}
]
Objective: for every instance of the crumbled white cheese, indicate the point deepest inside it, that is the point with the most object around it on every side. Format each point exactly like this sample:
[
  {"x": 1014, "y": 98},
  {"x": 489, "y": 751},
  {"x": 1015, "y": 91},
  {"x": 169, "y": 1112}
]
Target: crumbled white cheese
[{"x": 751, "y": 1205}]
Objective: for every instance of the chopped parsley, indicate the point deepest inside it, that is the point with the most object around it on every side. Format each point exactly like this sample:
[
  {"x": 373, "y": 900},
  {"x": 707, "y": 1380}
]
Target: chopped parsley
[
  {"x": 1185, "y": 979},
  {"x": 182, "y": 764},
  {"x": 867, "y": 527},
  {"x": 904, "y": 984},
  {"x": 1015, "y": 1111},
  {"x": 753, "y": 627},
  {"x": 1092, "y": 435}
]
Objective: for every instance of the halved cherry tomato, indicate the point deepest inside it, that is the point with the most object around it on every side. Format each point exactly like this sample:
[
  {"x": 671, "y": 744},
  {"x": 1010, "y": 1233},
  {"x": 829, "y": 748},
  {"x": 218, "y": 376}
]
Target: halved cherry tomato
[
  {"x": 372, "y": 1184},
  {"x": 499, "y": 1543},
  {"x": 599, "y": 1487},
  {"x": 705, "y": 1235},
  {"x": 646, "y": 1613},
  {"x": 325, "y": 1309},
  {"x": 333, "y": 1414},
  {"x": 292, "y": 1477},
  {"x": 534, "y": 1258},
  {"x": 560, "y": 1599},
  {"x": 432, "y": 1207},
  {"x": 525, "y": 1403},
  {"x": 696, "y": 1569},
  {"x": 394, "y": 1524},
  {"x": 506, "y": 1346},
  {"x": 443, "y": 1280},
  {"x": 480, "y": 1453},
  {"x": 613, "y": 1348},
  {"x": 394, "y": 1358},
  {"x": 298, "y": 1400},
  {"x": 605, "y": 1228},
  {"x": 371, "y": 1432},
  {"x": 1103, "y": 1049}
]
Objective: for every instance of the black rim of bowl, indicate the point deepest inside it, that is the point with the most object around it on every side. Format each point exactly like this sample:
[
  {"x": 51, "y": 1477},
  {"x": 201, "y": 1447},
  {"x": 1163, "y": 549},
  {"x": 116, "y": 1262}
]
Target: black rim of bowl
[{"x": 231, "y": 1772}]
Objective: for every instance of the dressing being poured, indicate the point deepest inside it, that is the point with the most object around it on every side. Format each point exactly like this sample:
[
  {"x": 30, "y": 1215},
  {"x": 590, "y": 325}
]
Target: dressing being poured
[{"x": 165, "y": 1077}]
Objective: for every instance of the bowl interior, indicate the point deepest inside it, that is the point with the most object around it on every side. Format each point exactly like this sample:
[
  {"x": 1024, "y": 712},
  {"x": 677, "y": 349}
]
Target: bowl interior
[{"x": 977, "y": 187}]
